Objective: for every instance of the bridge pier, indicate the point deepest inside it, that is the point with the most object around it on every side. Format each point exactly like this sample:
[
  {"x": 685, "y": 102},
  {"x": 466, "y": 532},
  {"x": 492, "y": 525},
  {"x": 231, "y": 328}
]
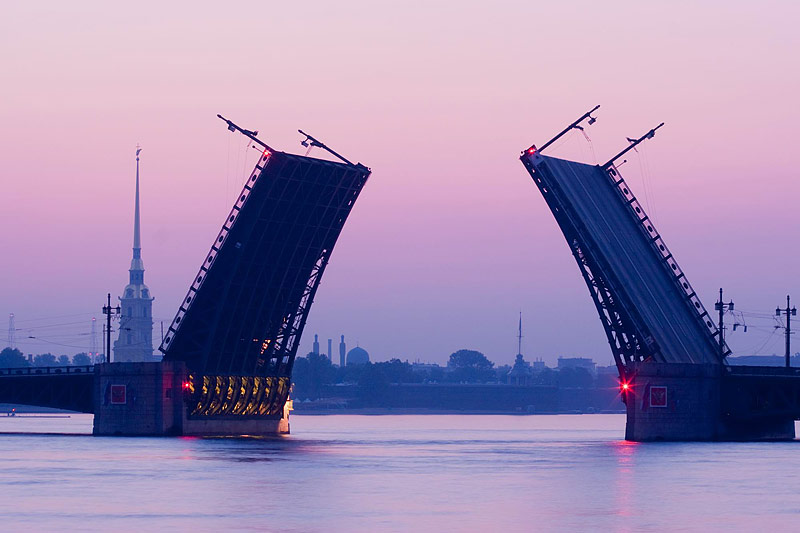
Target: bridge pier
[
  {"x": 692, "y": 402},
  {"x": 139, "y": 399}
]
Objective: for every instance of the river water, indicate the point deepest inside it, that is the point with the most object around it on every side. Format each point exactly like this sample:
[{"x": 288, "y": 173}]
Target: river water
[{"x": 394, "y": 473}]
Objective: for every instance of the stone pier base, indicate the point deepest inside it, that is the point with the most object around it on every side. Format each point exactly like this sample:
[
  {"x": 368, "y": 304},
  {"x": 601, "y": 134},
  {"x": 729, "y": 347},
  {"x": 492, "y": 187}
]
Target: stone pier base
[
  {"x": 683, "y": 402},
  {"x": 147, "y": 399}
]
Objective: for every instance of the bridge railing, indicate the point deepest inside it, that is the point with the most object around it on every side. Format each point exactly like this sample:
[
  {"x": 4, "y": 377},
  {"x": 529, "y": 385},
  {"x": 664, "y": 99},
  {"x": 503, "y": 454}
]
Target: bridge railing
[{"x": 46, "y": 370}]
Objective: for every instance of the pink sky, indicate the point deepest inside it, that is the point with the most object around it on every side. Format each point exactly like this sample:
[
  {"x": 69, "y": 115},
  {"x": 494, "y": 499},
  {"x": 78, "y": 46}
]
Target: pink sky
[{"x": 450, "y": 238}]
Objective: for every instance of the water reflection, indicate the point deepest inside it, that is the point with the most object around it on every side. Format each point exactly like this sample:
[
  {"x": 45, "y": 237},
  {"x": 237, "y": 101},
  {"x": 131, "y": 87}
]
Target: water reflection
[{"x": 362, "y": 473}]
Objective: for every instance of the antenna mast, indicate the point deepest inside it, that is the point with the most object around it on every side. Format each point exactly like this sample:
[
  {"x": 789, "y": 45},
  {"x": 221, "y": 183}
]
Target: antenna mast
[
  {"x": 12, "y": 332},
  {"x": 93, "y": 354},
  {"x": 519, "y": 335}
]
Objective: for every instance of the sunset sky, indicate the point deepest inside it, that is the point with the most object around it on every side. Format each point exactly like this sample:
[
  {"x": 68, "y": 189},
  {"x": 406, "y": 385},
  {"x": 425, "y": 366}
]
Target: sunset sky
[{"x": 450, "y": 239}]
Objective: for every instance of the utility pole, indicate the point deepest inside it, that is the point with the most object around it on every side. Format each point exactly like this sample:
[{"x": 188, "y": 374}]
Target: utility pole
[
  {"x": 722, "y": 307},
  {"x": 790, "y": 312},
  {"x": 108, "y": 311}
]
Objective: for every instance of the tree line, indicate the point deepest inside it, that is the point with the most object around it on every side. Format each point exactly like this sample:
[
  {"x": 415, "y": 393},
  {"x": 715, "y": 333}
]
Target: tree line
[
  {"x": 314, "y": 372},
  {"x": 13, "y": 358}
]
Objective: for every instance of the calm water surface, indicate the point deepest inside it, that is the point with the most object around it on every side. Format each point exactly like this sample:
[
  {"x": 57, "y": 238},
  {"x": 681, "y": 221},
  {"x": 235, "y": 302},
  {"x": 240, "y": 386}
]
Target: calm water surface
[{"x": 368, "y": 473}]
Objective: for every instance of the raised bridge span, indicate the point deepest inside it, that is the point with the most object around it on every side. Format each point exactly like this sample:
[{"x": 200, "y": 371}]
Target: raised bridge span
[
  {"x": 671, "y": 356},
  {"x": 229, "y": 352}
]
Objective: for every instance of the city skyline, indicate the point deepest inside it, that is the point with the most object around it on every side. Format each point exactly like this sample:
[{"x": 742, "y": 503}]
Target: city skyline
[{"x": 450, "y": 238}]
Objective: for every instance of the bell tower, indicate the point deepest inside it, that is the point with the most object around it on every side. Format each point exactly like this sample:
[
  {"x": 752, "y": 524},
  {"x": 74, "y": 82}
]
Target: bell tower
[{"x": 135, "y": 340}]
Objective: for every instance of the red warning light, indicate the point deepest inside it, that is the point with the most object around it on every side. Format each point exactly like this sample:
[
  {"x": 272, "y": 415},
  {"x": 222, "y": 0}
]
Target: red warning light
[
  {"x": 625, "y": 386},
  {"x": 265, "y": 154},
  {"x": 532, "y": 150},
  {"x": 186, "y": 385}
]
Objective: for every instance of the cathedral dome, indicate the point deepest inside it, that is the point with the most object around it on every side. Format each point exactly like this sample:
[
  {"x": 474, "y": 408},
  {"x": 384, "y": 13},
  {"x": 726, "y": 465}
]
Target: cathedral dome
[{"x": 357, "y": 356}]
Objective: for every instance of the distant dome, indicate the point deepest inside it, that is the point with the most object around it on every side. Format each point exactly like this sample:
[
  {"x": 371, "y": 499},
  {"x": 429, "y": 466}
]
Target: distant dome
[{"x": 357, "y": 356}]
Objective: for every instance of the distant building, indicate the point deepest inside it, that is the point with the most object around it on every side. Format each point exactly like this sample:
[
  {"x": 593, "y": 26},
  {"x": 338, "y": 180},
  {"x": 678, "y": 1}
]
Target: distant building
[
  {"x": 425, "y": 367},
  {"x": 576, "y": 362},
  {"x": 357, "y": 356},
  {"x": 538, "y": 365},
  {"x": 315, "y": 346},
  {"x": 135, "y": 340},
  {"x": 520, "y": 373},
  {"x": 342, "y": 352}
]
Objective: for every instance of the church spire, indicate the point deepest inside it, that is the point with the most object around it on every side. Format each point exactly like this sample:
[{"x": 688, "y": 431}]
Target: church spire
[
  {"x": 137, "y": 265},
  {"x": 137, "y": 243}
]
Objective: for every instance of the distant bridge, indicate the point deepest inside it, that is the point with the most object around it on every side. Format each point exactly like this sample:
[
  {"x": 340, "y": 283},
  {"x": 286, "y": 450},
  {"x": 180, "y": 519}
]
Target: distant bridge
[{"x": 62, "y": 387}]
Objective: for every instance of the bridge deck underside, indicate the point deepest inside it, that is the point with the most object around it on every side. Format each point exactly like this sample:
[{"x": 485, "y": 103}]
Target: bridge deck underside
[
  {"x": 72, "y": 392},
  {"x": 592, "y": 210},
  {"x": 247, "y": 307}
]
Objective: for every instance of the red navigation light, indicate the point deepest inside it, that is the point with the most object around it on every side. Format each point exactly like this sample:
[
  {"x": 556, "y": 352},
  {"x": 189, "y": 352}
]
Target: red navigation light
[
  {"x": 265, "y": 154},
  {"x": 625, "y": 386},
  {"x": 532, "y": 150},
  {"x": 186, "y": 385}
]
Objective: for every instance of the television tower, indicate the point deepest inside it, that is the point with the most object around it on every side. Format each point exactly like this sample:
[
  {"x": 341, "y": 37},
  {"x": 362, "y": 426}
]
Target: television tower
[
  {"x": 11, "y": 332},
  {"x": 93, "y": 353}
]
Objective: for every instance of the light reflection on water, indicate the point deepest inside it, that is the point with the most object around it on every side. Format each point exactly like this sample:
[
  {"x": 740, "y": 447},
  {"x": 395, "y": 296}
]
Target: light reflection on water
[{"x": 400, "y": 472}]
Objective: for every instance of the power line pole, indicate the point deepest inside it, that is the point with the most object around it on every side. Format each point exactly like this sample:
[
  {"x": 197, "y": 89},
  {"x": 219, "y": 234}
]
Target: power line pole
[
  {"x": 790, "y": 312},
  {"x": 108, "y": 311},
  {"x": 722, "y": 307}
]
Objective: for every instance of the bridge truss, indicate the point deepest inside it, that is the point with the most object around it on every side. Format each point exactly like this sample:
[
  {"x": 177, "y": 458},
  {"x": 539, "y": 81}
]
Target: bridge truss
[
  {"x": 239, "y": 326},
  {"x": 648, "y": 308}
]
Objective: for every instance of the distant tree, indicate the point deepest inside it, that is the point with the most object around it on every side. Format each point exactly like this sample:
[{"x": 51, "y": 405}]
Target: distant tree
[
  {"x": 64, "y": 360},
  {"x": 501, "y": 373},
  {"x": 470, "y": 366},
  {"x": 81, "y": 359},
  {"x": 310, "y": 374},
  {"x": 575, "y": 378},
  {"x": 545, "y": 377},
  {"x": 11, "y": 358},
  {"x": 44, "y": 359},
  {"x": 373, "y": 385},
  {"x": 436, "y": 374},
  {"x": 397, "y": 371}
]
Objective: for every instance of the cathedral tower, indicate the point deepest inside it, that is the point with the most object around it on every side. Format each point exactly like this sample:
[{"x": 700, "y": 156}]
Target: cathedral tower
[{"x": 135, "y": 341}]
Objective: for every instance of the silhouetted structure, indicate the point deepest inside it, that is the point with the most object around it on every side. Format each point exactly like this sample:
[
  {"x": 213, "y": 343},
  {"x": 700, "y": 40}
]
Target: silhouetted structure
[
  {"x": 238, "y": 328},
  {"x": 669, "y": 354},
  {"x": 228, "y": 354},
  {"x": 135, "y": 340}
]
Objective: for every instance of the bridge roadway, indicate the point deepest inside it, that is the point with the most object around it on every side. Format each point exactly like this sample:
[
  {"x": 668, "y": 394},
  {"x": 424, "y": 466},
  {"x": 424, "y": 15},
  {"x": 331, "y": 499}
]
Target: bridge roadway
[{"x": 61, "y": 387}]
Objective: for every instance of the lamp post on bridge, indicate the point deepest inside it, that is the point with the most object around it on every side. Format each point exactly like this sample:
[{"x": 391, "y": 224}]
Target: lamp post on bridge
[{"x": 789, "y": 312}]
